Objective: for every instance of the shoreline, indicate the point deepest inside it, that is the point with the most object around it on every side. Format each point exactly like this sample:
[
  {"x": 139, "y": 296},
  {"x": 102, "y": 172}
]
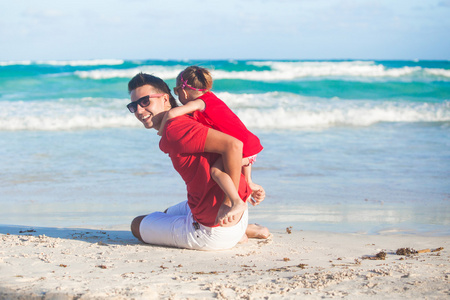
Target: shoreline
[{"x": 95, "y": 263}]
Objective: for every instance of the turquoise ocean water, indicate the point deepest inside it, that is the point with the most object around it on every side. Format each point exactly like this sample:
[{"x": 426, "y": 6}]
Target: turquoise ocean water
[{"x": 350, "y": 146}]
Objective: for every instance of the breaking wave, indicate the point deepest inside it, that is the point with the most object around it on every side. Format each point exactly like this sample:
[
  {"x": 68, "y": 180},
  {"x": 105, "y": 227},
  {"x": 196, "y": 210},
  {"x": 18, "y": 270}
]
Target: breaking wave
[{"x": 263, "y": 111}]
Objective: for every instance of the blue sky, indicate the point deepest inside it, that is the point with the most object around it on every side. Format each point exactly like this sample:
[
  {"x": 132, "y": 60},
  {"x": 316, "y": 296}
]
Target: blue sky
[{"x": 225, "y": 29}]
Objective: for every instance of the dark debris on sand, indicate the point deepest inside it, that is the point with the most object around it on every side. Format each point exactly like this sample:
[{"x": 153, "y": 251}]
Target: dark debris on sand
[{"x": 405, "y": 251}]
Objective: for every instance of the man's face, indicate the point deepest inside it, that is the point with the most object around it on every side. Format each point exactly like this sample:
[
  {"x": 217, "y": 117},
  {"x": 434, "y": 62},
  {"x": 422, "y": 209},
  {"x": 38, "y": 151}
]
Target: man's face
[{"x": 150, "y": 115}]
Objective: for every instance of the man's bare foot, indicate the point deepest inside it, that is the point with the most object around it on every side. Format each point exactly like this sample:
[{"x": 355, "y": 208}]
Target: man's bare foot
[
  {"x": 244, "y": 239},
  {"x": 235, "y": 212},
  {"x": 256, "y": 231}
]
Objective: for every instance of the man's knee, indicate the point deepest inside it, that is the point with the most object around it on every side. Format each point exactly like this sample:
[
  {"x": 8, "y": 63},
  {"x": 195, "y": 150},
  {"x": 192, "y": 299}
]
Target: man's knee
[{"x": 135, "y": 225}]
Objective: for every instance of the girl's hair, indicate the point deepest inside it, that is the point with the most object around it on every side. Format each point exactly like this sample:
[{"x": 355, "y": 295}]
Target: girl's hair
[
  {"x": 160, "y": 86},
  {"x": 196, "y": 77}
]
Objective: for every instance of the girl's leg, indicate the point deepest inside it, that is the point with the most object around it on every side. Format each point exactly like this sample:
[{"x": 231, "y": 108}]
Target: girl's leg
[{"x": 226, "y": 184}]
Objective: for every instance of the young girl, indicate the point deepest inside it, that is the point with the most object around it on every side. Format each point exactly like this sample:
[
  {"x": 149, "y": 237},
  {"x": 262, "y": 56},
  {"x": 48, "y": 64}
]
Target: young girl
[{"x": 193, "y": 87}]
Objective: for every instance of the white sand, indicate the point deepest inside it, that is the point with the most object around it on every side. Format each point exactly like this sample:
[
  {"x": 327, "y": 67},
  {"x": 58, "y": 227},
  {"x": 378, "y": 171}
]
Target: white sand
[{"x": 111, "y": 264}]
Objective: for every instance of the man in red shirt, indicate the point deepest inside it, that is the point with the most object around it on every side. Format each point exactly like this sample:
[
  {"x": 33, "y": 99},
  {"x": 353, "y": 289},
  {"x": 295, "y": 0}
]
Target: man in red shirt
[{"x": 193, "y": 148}]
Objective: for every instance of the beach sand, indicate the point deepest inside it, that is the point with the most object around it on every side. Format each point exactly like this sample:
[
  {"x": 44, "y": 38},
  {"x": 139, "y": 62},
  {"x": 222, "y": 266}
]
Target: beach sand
[{"x": 51, "y": 263}]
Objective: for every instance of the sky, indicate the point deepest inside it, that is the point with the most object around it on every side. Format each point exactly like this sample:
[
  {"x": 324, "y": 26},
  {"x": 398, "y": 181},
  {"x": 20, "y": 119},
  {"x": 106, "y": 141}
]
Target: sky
[{"x": 225, "y": 29}]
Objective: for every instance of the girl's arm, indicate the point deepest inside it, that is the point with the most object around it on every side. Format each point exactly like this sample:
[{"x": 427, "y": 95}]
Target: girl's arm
[
  {"x": 188, "y": 108},
  {"x": 247, "y": 170}
]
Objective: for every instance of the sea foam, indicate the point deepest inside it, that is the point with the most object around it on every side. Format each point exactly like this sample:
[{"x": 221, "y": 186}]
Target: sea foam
[
  {"x": 66, "y": 114},
  {"x": 15, "y": 63},
  {"x": 289, "y": 111},
  {"x": 76, "y": 63},
  {"x": 264, "y": 111},
  {"x": 160, "y": 71},
  {"x": 282, "y": 71},
  {"x": 292, "y": 70},
  {"x": 438, "y": 72}
]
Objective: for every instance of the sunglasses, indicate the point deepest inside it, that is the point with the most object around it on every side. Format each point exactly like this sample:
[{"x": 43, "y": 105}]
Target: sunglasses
[{"x": 143, "y": 102}]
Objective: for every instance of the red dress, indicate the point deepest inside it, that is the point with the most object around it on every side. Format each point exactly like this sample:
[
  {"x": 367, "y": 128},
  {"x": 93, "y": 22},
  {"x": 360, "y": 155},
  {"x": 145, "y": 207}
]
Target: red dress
[{"x": 220, "y": 117}]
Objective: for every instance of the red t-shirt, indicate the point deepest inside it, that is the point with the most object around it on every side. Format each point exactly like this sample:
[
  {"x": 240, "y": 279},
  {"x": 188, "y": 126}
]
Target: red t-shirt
[
  {"x": 220, "y": 117},
  {"x": 184, "y": 141}
]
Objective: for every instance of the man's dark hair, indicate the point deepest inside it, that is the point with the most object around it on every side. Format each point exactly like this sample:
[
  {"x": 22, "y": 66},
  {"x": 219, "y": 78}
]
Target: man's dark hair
[{"x": 157, "y": 83}]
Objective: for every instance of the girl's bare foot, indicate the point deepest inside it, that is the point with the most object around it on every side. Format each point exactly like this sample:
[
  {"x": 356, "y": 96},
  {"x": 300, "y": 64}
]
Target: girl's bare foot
[{"x": 235, "y": 212}]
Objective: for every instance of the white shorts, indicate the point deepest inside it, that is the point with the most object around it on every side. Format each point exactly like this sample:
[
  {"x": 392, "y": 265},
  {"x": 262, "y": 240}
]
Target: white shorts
[{"x": 177, "y": 228}]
